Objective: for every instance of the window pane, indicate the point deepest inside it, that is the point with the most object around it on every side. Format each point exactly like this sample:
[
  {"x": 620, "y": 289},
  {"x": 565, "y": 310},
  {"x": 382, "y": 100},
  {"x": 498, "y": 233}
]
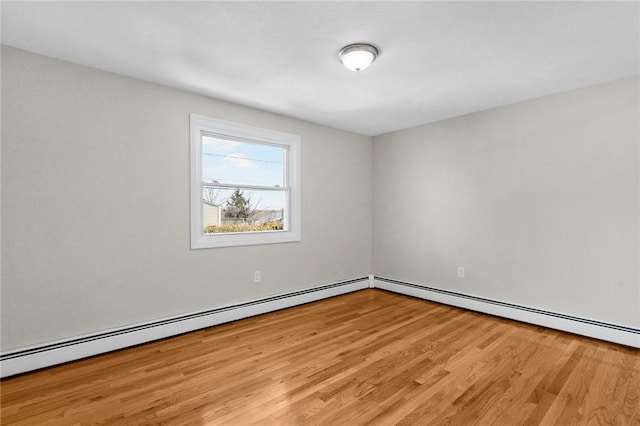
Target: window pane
[
  {"x": 264, "y": 165},
  {"x": 242, "y": 210},
  {"x": 244, "y": 163}
]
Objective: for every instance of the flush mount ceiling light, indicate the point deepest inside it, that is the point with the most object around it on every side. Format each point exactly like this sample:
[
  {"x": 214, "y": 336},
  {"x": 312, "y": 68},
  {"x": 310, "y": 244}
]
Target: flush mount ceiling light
[{"x": 357, "y": 57}]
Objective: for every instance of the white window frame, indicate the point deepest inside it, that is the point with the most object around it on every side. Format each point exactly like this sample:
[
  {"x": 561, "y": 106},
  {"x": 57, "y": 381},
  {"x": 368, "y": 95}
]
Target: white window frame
[{"x": 201, "y": 125}]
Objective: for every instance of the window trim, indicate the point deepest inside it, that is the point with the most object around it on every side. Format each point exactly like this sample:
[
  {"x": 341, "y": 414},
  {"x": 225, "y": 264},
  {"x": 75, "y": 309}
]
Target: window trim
[{"x": 200, "y": 125}]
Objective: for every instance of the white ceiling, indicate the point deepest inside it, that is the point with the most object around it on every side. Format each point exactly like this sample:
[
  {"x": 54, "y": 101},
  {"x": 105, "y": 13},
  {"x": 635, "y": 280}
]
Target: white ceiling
[{"x": 438, "y": 59}]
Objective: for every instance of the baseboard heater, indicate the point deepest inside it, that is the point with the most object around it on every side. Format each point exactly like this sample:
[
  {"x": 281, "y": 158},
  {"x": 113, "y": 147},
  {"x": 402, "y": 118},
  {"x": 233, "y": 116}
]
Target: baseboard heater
[
  {"x": 54, "y": 353},
  {"x": 624, "y": 335}
]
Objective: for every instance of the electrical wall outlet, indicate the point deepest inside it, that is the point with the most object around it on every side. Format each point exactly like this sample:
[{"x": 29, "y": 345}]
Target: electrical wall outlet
[
  {"x": 256, "y": 277},
  {"x": 460, "y": 271}
]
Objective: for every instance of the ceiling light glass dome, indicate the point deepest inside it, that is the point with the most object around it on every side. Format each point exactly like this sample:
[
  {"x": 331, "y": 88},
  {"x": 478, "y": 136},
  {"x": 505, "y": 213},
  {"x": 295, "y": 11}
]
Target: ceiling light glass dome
[{"x": 357, "y": 57}]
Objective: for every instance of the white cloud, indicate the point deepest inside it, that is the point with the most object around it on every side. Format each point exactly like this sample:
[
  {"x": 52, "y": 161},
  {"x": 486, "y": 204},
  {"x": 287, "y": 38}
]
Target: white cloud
[
  {"x": 238, "y": 161},
  {"x": 220, "y": 145}
]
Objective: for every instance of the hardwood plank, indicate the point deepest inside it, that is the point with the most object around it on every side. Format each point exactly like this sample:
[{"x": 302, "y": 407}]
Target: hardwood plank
[{"x": 369, "y": 357}]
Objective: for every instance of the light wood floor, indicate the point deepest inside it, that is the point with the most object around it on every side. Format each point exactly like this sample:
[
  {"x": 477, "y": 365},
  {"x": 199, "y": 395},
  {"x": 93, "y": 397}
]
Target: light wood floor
[{"x": 369, "y": 357}]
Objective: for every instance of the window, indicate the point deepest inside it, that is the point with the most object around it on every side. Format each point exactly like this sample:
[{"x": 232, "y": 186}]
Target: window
[{"x": 244, "y": 184}]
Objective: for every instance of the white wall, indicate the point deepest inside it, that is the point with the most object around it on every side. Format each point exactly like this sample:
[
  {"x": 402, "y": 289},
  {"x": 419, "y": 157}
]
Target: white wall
[
  {"x": 87, "y": 156},
  {"x": 539, "y": 201}
]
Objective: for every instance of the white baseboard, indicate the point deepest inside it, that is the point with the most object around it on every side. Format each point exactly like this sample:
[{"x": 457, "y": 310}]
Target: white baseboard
[
  {"x": 610, "y": 332},
  {"x": 39, "y": 356}
]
